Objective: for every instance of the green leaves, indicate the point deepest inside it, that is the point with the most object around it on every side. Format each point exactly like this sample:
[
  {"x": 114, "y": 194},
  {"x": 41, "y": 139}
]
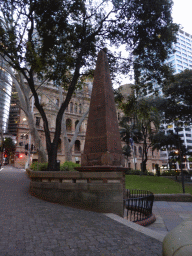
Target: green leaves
[{"x": 178, "y": 92}]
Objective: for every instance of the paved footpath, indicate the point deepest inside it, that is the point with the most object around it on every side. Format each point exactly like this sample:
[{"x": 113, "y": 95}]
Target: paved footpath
[
  {"x": 32, "y": 227},
  {"x": 169, "y": 215}
]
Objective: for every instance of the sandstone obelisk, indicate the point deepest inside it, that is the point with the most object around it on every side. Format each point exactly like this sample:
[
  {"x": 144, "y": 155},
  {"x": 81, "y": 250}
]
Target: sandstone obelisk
[{"x": 102, "y": 142}]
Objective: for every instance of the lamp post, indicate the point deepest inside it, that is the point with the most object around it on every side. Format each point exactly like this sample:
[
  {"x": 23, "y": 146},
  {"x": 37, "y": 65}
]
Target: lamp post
[{"x": 180, "y": 157}]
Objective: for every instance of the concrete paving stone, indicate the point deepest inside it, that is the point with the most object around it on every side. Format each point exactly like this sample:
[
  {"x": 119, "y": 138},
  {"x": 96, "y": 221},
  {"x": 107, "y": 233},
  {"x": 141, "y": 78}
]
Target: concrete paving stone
[{"x": 40, "y": 224}]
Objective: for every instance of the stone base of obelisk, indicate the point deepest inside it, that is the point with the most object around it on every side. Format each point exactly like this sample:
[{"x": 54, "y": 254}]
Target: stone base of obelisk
[{"x": 104, "y": 191}]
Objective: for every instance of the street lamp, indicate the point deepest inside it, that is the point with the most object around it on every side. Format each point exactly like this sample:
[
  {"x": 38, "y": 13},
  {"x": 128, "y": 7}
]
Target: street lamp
[{"x": 180, "y": 157}]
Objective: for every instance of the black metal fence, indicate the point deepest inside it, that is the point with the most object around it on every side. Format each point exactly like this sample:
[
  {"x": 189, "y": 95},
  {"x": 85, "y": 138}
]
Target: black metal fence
[{"x": 138, "y": 205}]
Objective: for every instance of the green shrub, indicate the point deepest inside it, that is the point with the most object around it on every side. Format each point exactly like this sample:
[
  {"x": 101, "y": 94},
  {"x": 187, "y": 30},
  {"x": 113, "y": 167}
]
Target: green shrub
[
  {"x": 133, "y": 172},
  {"x": 39, "y": 166},
  {"x": 150, "y": 173},
  {"x": 68, "y": 166},
  {"x": 170, "y": 173}
]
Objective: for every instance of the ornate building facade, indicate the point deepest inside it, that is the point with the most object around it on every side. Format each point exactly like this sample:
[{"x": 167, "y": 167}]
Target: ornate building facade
[{"x": 49, "y": 96}]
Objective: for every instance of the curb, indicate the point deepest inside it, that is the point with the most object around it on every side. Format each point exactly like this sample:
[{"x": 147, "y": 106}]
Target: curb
[
  {"x": 173, "y": 197},
  {"x": 136, "y": 227},
  {"x": 147, "y": 221}
]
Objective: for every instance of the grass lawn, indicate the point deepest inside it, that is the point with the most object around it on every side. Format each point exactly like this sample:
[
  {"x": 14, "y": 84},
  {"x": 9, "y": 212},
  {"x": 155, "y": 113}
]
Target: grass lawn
[{"x": 157, "y": 185}]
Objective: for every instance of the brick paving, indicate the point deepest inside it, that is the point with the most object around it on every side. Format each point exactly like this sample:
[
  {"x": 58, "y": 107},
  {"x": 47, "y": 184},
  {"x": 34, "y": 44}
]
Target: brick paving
[{"x": 32, "y": 227}]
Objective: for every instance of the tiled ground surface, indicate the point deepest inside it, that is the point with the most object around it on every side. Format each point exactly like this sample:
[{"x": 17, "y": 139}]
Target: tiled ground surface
[
  {"x": 33, "y": 227},
  {"x": 169, "y": 215}
]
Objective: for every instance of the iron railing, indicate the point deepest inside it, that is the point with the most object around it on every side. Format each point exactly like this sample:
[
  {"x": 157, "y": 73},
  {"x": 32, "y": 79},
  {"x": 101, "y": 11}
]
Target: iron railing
[{"x": 138, "y": 205}]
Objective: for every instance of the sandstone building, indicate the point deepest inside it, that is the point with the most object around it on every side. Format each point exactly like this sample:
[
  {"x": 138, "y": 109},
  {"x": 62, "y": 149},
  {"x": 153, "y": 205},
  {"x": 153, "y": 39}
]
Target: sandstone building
[{"x": 49, "y": 97}]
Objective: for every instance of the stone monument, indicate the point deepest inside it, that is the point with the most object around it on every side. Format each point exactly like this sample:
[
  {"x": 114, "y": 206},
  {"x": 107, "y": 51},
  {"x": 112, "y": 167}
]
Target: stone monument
[{"x": 102, "y": 151}]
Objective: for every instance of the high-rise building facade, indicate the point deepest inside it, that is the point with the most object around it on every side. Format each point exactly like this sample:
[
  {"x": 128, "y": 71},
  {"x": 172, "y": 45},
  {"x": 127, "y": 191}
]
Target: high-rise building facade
[
  {"x": 13, "y": 113},
  {"x": 182, "y": 58},
  {"x": 5, "y": 96}
]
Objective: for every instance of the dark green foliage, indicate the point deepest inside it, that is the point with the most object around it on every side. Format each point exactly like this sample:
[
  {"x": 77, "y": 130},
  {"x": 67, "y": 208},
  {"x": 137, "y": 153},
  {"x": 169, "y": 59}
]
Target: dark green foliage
[
  {"x": 178, "y": 91},
  {"x": 133, "y": 172},
  {"x": 170, "y": 173},
  {"x": 153, "y": 21},
  {"x": 150, "y": 173},
  {"x": 8, "y": 146},
  {"x": 69, "y": 166},
  {"x": 144, "y": 119},
  {"x": 39, "y": 166}
]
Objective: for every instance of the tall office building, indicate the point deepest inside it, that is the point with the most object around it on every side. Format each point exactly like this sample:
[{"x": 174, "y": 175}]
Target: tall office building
[
  {"x": 13, "y": 113},
  {"x": 5, "y": 96},
  {"x": 181, "y": 60}
]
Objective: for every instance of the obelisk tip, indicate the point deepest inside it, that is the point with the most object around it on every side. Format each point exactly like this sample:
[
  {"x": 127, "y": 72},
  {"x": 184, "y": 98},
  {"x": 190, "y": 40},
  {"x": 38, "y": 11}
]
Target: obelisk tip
[{"x": 105, "y": 50}]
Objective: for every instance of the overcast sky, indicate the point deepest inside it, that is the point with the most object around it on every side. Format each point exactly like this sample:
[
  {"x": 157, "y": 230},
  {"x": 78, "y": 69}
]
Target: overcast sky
[{"x": 182, "y": 14}]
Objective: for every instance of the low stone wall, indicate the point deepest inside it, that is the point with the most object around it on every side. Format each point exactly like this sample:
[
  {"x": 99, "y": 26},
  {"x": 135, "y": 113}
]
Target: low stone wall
[
  {"x": 174, "y": 197},
  {"x": 95, "y": 191}
]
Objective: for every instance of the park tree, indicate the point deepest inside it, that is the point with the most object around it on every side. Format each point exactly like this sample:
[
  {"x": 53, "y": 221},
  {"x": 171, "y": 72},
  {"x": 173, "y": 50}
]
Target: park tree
[
  {"x": 145, "y": 118},
  {"x": 171, "y": 142},
  {"x": 129, "y": 134},
  {"x": 178, "y": 95},
  {"x": 8, "y": 147},
  {"x": 49, "y": 40}
]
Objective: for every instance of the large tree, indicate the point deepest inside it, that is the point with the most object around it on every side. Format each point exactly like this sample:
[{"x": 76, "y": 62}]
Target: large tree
[
  {"x": 145, "y": 117},
  {"x": 50, "y": 39},
  {"x": 129, "y": 134},
  {"x": 8, "y": 147},
  {"x": 171, "y": 142},
  {"x": 178, "y": 94}
]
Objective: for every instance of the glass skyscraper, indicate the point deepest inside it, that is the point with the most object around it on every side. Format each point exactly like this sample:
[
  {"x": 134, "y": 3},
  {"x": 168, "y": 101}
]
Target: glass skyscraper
[
  {"x": 5, "y": 96},
  {"x": 182, "y": 58}
]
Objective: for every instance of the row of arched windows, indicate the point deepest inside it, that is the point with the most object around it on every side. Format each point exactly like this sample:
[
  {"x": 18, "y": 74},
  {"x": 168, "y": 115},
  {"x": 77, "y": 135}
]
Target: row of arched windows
[
  {"x": 69, "y": 124},
  {"x": 139, "y": 151},
  {"x": 77, "y": 146},
  {"x": 74, "y": 108}
]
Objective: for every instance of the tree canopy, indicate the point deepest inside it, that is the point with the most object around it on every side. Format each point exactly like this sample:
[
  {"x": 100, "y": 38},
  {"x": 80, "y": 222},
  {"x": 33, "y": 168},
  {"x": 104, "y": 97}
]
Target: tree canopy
[
  {"x": 178, "y": 94},
  {"x": 58, "y": 40},
  {"x": 9, "y": 146}
]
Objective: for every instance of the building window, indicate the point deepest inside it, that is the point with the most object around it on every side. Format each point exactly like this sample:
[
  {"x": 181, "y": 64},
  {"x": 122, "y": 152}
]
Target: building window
[
  {"x": 57, "y": 103},
  {"x": 140, "y": 151},
  {"x": 135, "y": 150},
  {"x": 76, "y": 123},
  {"x": 68, "y": 125},
  {"x": 75, "y": 107},
  {"x": 80, "y": 108},
  {"x": 59, "y": 145},
  {"x": 38, "y": 121},
  {"x": 77, "y": 146},
  {"x": 71, "y": 107}
]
